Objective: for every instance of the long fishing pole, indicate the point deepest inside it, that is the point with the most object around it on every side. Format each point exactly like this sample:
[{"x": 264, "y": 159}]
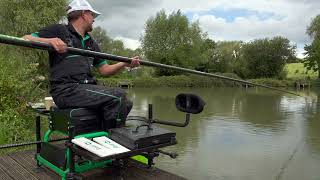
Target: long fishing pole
[{"x": 44, "y": 46}]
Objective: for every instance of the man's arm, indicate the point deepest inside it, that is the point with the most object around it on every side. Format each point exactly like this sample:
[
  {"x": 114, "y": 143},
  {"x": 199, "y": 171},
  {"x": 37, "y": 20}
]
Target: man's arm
[
  {"x": 57, "y": 43},
  {"x": 108, "y": 70}
]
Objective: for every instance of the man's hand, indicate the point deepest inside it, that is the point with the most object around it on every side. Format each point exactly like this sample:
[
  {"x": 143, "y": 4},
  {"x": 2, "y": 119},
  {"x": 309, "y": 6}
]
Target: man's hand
[
  {"x": 58, "y": 45},
  {"x": 135, "y": 62},
  {"x": 111, "y": 69}
]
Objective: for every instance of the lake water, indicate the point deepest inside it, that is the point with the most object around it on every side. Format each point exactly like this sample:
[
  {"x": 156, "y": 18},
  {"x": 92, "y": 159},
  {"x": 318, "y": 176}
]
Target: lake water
[{"x": 242, "y": 134}]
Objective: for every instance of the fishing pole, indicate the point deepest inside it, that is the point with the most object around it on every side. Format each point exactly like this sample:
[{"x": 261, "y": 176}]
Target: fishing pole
[{"x": 76, "y": 51}]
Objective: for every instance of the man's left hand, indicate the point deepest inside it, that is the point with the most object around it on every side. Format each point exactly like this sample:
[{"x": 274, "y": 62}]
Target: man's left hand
[{"x": 135, "y": 62}]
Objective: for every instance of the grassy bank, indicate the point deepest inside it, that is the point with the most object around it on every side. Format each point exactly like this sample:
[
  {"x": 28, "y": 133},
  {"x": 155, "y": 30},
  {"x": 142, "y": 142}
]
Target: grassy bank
[{"x": 296, "y": 71}]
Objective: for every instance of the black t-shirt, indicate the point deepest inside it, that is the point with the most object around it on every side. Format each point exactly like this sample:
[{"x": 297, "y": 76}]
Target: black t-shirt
[{"x": 62, "y": 69}]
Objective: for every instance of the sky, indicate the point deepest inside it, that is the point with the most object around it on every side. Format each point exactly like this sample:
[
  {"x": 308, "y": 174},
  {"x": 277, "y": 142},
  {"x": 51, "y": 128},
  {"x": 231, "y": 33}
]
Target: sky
[{"x": 223, "y": 20}]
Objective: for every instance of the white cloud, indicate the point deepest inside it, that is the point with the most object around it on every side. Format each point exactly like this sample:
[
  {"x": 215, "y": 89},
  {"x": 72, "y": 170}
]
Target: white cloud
[
  {"x": 129, "y": 43},
  {"x": 126, "y": 19},
  {"x": 300, "y": 51},
  {"x": 248, "y": 28}
]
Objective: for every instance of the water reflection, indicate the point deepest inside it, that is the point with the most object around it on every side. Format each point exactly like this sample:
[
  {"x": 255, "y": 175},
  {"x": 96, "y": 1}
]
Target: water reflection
[
  {"x": 240, "y": 134},
  {"x": 313, "y": 125},
  {"x": 262, "y": 110}
]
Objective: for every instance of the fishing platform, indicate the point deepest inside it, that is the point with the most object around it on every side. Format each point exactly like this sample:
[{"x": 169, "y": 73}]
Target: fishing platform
[
  {"x": 89, "y": 147},
  {"x": 22, "y": 166}
]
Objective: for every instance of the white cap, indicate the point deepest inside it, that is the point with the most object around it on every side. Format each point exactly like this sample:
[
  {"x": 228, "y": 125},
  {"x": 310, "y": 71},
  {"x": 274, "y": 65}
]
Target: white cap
[
  {"x": 48, "y": 98},
  {"x": 78, "y": 5}
]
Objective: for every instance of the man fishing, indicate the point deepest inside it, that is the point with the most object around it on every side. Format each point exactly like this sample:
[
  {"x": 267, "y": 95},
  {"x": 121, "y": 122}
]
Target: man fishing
[{"x": 72, "y": 84}]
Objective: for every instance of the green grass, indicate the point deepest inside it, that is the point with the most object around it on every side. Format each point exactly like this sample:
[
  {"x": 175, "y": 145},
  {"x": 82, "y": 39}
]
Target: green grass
[{"x": 298, "y": 71}]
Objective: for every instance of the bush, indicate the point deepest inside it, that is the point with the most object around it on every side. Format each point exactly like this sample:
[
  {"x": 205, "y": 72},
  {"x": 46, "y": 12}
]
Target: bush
[
  {"x": 266, "y": 58},
  {"x": 17, "y": 87}
]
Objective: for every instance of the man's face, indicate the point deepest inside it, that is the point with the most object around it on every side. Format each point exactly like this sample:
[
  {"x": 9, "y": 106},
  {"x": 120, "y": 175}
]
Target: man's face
[{"x": 88, "y": 17}]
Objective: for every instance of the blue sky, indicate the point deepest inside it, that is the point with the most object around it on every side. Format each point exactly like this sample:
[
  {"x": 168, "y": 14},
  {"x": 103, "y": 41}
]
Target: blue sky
[{"x": 231, "y": 14}]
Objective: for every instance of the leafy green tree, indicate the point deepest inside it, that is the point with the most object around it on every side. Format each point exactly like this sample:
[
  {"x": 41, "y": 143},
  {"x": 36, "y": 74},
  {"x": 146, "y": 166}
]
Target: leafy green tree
[
  {"x": 265, "y": 58},
  {"x": 19, "y": 82},
  {"x": 20, "y": 17},
  {"x": 207, "y": 51},
  {"x": 312, "y": 60},
  {"x": 102, "y": 39},
  {"x": 171, "y": 39},
  {"x": 109, "y": 45},
  {"x": 116, "y": 47},
  {"x": 225, "y": 56}
]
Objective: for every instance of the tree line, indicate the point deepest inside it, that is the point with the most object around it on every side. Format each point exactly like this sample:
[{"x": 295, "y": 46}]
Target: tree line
[{"x": 171, "y": 39}]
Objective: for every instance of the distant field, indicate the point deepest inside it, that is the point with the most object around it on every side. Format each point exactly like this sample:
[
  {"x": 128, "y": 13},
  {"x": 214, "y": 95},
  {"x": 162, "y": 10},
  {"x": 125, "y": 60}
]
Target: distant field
[{"x": 298, "y": 71}]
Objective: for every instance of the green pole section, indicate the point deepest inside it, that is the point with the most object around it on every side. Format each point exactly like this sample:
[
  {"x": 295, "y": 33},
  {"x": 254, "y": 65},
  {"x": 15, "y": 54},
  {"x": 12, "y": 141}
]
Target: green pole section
[{"x": 38, "y": 45}]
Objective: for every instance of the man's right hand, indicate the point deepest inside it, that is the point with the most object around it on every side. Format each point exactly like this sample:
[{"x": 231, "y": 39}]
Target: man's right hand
[{"x": 58, "y": 44}]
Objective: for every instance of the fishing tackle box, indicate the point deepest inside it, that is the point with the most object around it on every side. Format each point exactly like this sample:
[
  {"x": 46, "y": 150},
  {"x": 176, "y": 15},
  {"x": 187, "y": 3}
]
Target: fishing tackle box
[{"x": 143, "y": 137}]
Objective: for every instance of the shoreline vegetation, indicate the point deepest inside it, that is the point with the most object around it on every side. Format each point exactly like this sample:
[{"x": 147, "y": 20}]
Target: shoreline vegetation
[
  {"x": 181, "y": 81},
  {"x": 297, "y": 75}
]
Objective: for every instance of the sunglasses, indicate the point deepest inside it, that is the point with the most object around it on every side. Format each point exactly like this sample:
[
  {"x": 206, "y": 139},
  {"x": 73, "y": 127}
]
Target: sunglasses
[{"x": 91, "y": 13}]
